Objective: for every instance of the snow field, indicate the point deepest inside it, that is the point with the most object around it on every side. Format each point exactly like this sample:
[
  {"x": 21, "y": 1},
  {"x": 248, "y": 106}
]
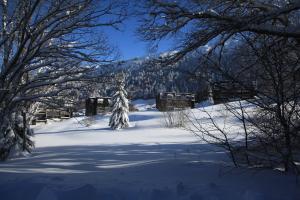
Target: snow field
[{"x": 145, "y": 161}]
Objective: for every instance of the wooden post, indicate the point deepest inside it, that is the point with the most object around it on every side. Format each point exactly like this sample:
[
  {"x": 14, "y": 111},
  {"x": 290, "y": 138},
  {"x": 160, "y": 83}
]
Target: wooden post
[
  {"x": 71, "y": 112},
  {"x": 158, "y": 101},
  {"x": 87, "y": 107},
  {"x": 95, "y": 105}
]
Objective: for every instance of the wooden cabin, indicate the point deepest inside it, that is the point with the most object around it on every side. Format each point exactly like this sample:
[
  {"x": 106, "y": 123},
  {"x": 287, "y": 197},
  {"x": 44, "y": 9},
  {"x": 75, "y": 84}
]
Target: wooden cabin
[
  {"x": 48, "y": 113},
  {"x": 227, "y": 91},
  {"x": 171, "y": 100},
  {"x": 40, "y": 116},
  {"x": 95, "y": 105}
]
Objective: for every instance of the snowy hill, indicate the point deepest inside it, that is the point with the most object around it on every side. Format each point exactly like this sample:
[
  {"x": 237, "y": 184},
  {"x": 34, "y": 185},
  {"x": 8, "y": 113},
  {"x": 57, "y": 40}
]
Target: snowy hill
[
  {"x": 146, "y": 161},
  {"x": 145, "y": 78}
]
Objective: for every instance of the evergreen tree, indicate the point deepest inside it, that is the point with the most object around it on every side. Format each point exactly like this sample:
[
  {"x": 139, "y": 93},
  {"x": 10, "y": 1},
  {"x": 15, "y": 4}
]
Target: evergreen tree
[{"x": 119, "y": 118}]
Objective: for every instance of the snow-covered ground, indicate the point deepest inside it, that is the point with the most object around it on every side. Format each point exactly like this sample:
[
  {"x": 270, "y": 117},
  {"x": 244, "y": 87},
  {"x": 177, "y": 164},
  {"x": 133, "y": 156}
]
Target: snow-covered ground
[{"x": 145, "y": 161}]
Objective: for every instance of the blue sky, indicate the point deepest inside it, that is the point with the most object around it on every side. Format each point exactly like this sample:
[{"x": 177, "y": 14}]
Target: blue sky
[{"x": 130, "y": 46}]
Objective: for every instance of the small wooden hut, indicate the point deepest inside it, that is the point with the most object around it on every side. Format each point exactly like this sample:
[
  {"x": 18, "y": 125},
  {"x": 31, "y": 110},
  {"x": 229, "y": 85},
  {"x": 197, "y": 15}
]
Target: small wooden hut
[
  {"x": 40, "y": 116},
  {"x": 171, "y": 100},
  {"x": 49, "y": 113},
  {"x": 95, "y": 105},
  {"x": 227, "y": 91}
]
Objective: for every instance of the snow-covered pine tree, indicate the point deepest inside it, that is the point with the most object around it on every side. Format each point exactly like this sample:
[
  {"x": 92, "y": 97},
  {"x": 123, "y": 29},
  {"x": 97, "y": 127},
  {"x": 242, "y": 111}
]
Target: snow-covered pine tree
[{"x": 119, "y": 118}]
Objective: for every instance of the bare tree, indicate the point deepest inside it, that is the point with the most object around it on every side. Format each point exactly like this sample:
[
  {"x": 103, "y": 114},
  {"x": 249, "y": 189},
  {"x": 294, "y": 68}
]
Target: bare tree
[
  {"x": 271, "y": 129},
  {"x": 196, "y": 23},
  {"x": 248, "y": 41},
  {"x": 44, "y": 45}
]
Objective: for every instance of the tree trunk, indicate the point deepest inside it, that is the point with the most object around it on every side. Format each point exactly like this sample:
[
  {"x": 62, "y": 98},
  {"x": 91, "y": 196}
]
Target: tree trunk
[{"x": 24, "y": 116}]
